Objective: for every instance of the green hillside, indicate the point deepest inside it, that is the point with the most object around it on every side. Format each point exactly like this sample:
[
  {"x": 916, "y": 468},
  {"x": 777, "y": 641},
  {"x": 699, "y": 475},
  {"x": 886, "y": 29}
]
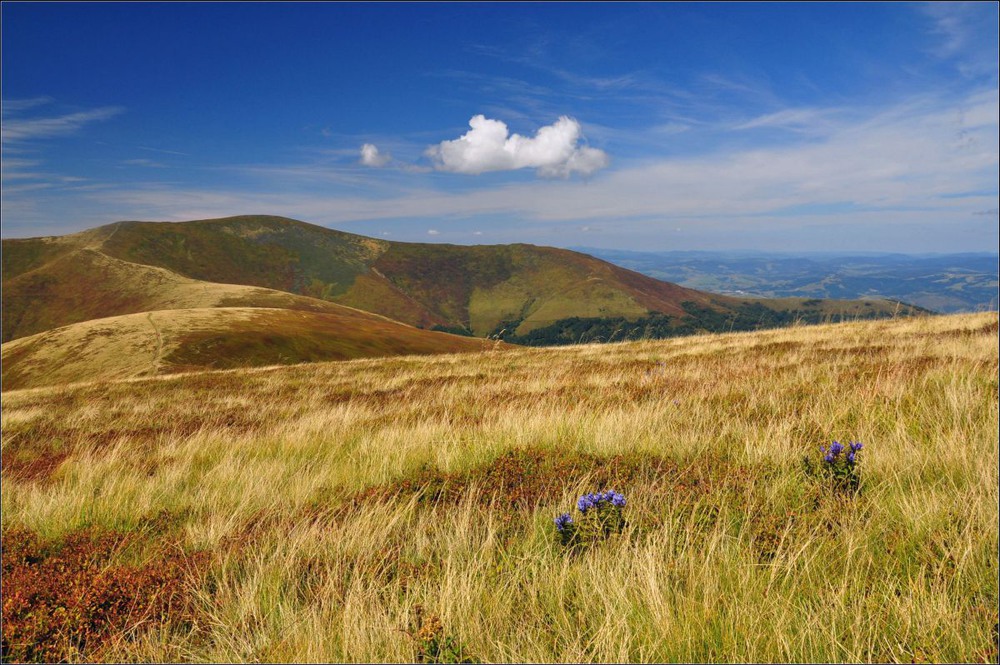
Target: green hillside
[
  {"x": 131, "y": 267},
  {"x": 478, "y": 288},
  {"x": 481, "y": 289},
  {"x": 84, "y": 283}
]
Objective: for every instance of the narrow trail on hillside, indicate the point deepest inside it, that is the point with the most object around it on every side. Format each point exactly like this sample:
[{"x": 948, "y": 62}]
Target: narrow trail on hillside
[
  {"x": 98, "y": 245},
  {"x": 155, "y": 365}
]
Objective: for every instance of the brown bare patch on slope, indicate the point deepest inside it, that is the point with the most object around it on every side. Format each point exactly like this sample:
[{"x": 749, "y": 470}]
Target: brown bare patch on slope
[{"x": 30, "y": 467}]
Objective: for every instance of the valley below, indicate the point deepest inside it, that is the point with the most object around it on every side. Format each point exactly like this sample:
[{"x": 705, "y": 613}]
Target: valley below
[{"x": 949, "y": 284}]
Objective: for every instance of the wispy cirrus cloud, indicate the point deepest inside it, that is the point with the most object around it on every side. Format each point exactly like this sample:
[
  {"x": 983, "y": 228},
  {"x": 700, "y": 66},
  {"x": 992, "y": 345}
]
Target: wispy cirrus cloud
[
  {"x": 26, "y": 134},
  {"x": 923, "y": 161},
  {"x": 858, "y": 171},
  {"x": 16, "y": 168},
  {"x": 20, "y": 129},
  {"x": 805, "y": 120},
  {"x": 965, "y": 33},
  {"x": 163, "y": 151},
  {"x": 145, "y": 163},
  {"x": 950, "y": 23},
  {"x": 18, "y": 105}
]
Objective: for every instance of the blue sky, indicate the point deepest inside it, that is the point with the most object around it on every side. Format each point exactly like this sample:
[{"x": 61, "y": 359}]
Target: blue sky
[{"x": 654, "y": 126}]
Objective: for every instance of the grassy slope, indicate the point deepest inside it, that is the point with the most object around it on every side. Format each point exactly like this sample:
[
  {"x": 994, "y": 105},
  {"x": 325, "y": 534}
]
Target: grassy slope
[
  {"x": 24, "y": 255},
  {"x": 479, "y": 287},
  {"x": 138, "y": 266},
  {"x": 334, "y": 501},
  {"x": 170, "y": 341},
  {"x": 53, "y": 282},
  {"x": 421, "y": 284},
  {"x": 273, "y": 252}
]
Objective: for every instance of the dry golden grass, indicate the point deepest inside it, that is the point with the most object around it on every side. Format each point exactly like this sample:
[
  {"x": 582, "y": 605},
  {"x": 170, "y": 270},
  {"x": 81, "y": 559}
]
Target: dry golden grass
[
  {"x": 334, "y": 499},
  {"x": 185, "y": 340}
]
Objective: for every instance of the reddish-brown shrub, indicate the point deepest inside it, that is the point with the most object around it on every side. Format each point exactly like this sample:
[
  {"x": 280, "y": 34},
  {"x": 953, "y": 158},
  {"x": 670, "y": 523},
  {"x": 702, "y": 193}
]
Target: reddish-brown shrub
[
  {"x": 69, "y": 599},
  {"x": 521, "y": 478}
]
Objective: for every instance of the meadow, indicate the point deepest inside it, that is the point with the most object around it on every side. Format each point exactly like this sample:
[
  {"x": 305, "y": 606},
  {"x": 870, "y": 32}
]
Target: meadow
[{"x": 402, "y": 509}]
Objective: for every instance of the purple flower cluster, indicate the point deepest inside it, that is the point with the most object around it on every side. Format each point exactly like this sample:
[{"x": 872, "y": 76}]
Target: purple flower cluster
[
  {"x": 592, "y": 500},
  {"x": 600, "y": 517},
  {"x": 564, "y": 522},
  {"x": 836, "y": 448},
  {"x": 839, "y": 467}
]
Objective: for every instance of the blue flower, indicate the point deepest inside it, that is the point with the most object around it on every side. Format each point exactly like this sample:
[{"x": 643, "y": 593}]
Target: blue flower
[
  {"x": 835, "y": 449},
  {"x": 585, "y": 502},
  {"x": 855, "y": 447},
  {"x": 563, "y": 522},
  {"x": 618, "y": 500},
  {"x": 850, "y": 457}
]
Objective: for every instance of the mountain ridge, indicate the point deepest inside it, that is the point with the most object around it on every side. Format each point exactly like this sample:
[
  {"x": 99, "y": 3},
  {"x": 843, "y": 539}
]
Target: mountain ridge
[{"x": 263, "y": 260}]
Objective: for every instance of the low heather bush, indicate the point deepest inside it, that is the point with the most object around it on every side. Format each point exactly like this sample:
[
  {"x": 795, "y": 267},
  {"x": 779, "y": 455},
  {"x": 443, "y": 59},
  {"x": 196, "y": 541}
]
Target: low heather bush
[{"x": 67, "y": 600}]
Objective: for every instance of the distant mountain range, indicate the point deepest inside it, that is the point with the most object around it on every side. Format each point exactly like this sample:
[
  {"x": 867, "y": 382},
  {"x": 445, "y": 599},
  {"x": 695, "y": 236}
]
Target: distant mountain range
[
  {"x": 142, "y": 298},
  {"x": 941, "y": 283}
]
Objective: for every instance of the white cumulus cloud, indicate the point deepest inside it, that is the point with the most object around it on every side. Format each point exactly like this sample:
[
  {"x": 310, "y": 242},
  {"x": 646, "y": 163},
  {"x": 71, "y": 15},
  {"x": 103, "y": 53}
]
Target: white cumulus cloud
[
  {"x": 370, "y": 156},
  {"x": 489, "y": 146}
]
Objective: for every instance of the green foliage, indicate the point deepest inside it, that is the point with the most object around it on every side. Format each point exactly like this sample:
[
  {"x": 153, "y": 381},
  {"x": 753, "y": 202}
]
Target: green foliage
[
  {"x": 259, "y": 250},
  {"x": 574, "y": 298},
  {"x": 21, "y": 255},
  {"x": 742, "y": 317},
  {"x": 580, "y": 330},
  {"x": 443, "y": 277},
  {"x": 746, "y": 316}
]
